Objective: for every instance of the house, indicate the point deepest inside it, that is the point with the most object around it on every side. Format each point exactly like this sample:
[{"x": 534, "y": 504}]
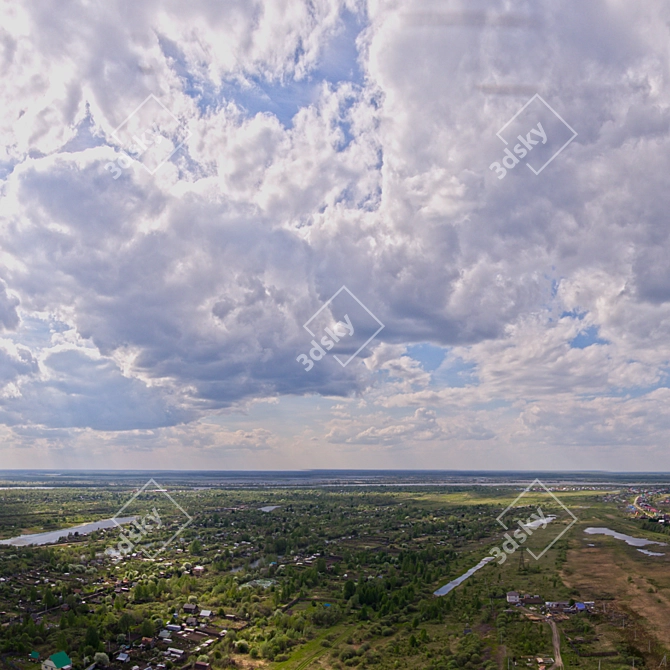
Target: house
[
  {"x": 190, "y": 608},
  {"x": 147, "y": 642},
  {"x": 34, "y": 656},
  {"x": 512, "y": 597},
  {"x": 123, "y": 657},
  {"x": 173, "y": 627},
  {"x": 532, "y": 600},
  {"x": 191, "y": 621},
  {"x": 59, "y": 661},
  {"x": 164, "y": 635},
  {"x": 175, "y": 652},
  {"x": 201, "y": 665},
  {"x": 206, "y": 613},
  {"x": 198, "y": 571},
  {"x": 557, "y": 606}
]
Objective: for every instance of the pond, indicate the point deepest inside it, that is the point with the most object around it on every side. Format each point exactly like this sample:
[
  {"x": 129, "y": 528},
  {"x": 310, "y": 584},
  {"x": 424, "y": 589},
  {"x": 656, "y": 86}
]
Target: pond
[
  {"x": 632, "y": 541},
  {"x": 650, "y": 553}
]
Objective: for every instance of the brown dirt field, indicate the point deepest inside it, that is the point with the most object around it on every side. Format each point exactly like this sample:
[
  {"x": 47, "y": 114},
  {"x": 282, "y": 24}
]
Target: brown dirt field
[{"x": 604, "y": 570}]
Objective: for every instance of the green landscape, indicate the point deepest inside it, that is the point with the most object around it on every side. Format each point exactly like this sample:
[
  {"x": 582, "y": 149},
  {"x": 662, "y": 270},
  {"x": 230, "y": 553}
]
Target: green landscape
[{"x": 328, "y": 577}]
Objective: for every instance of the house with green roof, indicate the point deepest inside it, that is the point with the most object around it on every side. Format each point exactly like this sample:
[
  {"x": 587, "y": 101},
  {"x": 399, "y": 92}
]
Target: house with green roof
[{"x": 59, "y": 661}]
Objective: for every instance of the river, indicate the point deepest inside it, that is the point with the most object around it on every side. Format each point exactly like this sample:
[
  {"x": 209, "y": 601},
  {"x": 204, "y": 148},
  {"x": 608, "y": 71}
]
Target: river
[
  {"x": 443, "y": 590},
  {"x": 55, "y": 535}
]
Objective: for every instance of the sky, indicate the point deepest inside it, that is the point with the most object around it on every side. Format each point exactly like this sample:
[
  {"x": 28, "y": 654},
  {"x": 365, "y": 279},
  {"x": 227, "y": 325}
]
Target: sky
[{"x": 281, "y": 234}]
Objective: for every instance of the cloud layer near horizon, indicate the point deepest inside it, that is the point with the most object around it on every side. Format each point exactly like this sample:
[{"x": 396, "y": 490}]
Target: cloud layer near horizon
[{"x": 527, "y": 319}]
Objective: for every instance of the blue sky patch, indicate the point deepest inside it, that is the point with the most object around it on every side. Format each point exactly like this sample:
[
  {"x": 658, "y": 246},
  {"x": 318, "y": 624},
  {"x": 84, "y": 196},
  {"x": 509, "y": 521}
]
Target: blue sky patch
[
  {"x": 429, "y": 356},
  {"x": 586, "y": 338}
]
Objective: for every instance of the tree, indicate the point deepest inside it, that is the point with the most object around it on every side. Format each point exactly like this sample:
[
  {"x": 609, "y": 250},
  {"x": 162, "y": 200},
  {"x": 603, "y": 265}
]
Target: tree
[
  {"x": 101, "y": 658},
  {"x": 126, "y": 621},
  {"x": 49, "y": 599},
  {"x": 349, "y": 589},
  {"x": 92, "y": 638},
  {"x": 195, "y": 548}
]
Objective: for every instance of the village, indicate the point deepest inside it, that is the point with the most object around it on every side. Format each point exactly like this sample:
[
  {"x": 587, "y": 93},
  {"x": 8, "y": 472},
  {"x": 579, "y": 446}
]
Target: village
[{"x": 349, "y": 578}]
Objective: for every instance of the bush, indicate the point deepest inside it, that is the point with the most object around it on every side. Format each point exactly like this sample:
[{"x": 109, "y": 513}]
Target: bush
[
  {"x": 268, "y": 651},
  {"x": 242, "y": 646}
]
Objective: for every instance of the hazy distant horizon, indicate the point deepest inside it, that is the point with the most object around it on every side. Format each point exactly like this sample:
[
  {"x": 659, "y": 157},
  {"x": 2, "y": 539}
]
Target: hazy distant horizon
[{"x": 329, "y": 478}]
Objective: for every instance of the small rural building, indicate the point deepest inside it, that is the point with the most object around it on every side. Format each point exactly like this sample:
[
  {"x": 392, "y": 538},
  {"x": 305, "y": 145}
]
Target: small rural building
[
  {"x": 190, "y": 608},
  {"x": 206, "y": 613},
  {"x": 59, "y": 661},
  {"x": 557, "y": 606},
  {"x": 123, "y": 657},
  {"x": 532, "y": 600},
  {"x": 198, "y": 570},
  {"x": 512, "y": 597},
  {"x": 201, "y": 665}
]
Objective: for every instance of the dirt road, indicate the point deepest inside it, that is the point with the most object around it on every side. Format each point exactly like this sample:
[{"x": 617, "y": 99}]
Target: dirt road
[{"x": 556, "y": 639}]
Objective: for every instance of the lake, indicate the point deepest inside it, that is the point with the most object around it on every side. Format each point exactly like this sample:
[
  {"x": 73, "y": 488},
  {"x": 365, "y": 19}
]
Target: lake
[
  {"x": 443, "y": 590},
  {"x": 632, "y": 541},
  {"x": 55, "y": 535}
]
